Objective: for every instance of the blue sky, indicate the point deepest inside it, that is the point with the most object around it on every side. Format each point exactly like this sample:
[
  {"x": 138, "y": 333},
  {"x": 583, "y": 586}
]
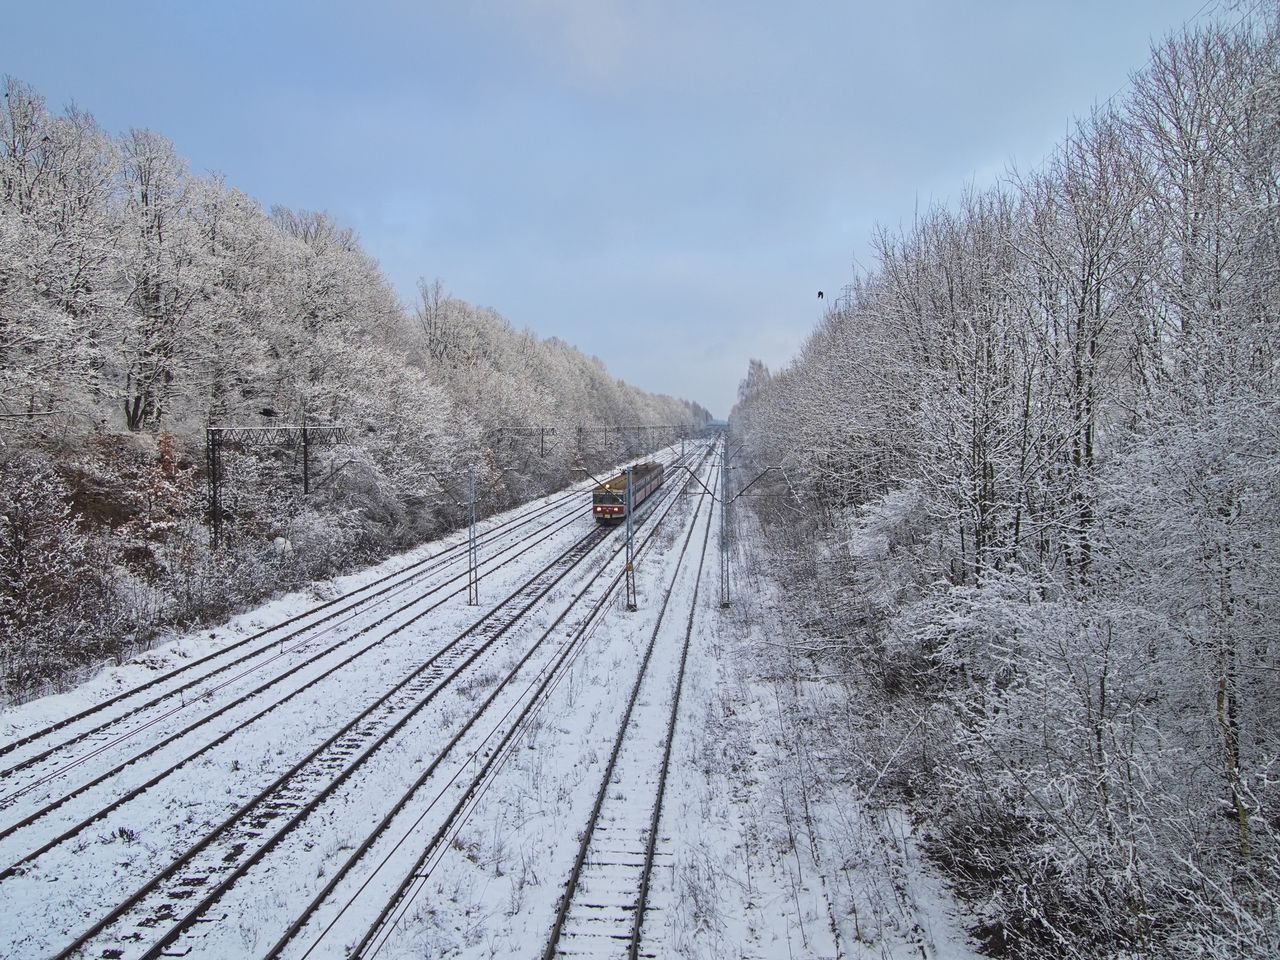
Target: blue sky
[{"x": 666, "y": 185}]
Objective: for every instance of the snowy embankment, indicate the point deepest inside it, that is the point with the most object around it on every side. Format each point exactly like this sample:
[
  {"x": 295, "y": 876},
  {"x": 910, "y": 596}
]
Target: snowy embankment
[{"x": 778, "y": 856}]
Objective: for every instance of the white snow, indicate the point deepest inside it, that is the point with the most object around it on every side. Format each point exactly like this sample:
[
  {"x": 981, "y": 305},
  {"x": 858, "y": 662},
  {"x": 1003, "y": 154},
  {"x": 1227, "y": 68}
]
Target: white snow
[{"x": 758, "y": 855}]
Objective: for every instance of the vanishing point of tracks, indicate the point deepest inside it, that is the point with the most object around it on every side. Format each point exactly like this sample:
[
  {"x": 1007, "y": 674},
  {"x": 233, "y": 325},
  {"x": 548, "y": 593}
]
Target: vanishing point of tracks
[
  {"x": 603, "y": 908},
  {"x": 175, "y": 900}
]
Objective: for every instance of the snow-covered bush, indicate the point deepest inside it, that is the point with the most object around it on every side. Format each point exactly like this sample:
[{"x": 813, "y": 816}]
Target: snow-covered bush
[
  {"x": 141, "y": 304},
  {"x": 1042, "y": 506},
  {"x": 55, "y": 598}
]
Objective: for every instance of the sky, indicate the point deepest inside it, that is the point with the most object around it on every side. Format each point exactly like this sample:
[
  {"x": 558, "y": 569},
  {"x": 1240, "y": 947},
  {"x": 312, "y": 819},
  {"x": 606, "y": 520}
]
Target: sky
[{"x": 665, "y": 184}]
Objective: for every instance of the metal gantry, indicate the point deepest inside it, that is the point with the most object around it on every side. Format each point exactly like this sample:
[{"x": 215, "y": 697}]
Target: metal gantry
[
  {"x": 542, "y": 433},
  {"x": 216, "y": 438},
  {"x": 648, "y": 435}
]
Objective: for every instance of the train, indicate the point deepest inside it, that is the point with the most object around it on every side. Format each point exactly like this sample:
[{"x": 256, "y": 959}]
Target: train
[{"x": 609, "y": 499}]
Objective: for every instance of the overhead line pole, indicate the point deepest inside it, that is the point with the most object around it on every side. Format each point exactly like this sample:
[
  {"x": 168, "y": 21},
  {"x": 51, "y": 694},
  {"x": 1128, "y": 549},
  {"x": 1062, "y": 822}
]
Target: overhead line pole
[
  {"x": 213, "y": 459},
  {"x": 724, "y": 525},
  {"x": 632, "y": 606},
  {"x": 473, "y": 550}
]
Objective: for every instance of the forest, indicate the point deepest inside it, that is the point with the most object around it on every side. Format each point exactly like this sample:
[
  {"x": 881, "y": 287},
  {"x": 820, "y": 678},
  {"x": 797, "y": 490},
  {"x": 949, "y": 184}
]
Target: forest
[
  {"x": 141, "y": 304},
  {"x": 1028, "y": 517}
]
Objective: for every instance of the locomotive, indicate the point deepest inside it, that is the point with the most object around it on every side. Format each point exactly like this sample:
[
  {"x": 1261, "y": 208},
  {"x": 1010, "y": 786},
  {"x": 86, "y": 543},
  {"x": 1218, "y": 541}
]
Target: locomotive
[{"x": 609, "y": 499}]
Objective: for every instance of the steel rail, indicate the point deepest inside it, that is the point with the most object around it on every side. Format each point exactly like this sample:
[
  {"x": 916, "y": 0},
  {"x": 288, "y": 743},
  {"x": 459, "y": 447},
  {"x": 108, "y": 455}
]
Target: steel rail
[
  {"x": 593, "y": 819},
  {"x": 159, "y": 947},
  {"x": 415, "y": 572},
  {"x": 437, "y": 561},
  {"x": 278, "y": 645},
  {"x": 301, "y": 921},
  {"x": 646, "y": 873},
  {"x": 528, "y": 543},
  {"x": 552, "y": 676},
  {"x": 447, "y": 556},
  {"x": 575, "y": 553}
]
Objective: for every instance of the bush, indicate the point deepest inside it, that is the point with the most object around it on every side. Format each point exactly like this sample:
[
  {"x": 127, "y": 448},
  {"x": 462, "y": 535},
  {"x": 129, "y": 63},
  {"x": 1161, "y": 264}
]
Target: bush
[{"x": 55, "y": 595}]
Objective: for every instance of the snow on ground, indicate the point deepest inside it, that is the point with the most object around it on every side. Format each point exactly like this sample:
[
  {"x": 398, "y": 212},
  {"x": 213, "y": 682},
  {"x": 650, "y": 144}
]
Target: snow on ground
[
  {"x": 757, "y": 858},
  {"x": 180, "y": 647},
  {"x": 494, "y": 890},
  {"x": 774, "y": 856},
  {"x": 762, "y": 852},
  {"x": 58, "y": 893}
]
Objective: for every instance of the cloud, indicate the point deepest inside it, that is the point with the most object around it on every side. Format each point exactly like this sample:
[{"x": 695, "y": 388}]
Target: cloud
[{"x": 597, "y": 40}]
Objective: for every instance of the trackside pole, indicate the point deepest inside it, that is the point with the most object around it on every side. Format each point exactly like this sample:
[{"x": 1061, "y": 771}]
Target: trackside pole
[
  {"x": 213, "y": 455},
  {"x": 306, "y": 459},
  {"x": 631, "y": 569},
  {"x": 724, "y": 525},
  {"x": 473, "y": 553}
]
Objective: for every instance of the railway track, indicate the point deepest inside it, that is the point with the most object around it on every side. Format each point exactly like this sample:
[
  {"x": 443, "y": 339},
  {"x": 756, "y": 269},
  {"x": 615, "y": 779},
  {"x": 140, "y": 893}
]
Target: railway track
[
  {"x": 174, "y": 750},
  {"x": 174, "y": 899},
  {"x": 253, "y": 829},
  {"x": 492, "y": 753},
  {"x": 603, "y": 908},
  {"x": 96, "y": 722},
  {"x": 298, "y": 669}
]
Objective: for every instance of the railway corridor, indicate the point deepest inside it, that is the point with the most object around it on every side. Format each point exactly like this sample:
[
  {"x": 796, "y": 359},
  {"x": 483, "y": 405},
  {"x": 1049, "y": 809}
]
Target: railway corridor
[
  {"x": 392, "y": 773},
  {"x": 227, "y": 807}
]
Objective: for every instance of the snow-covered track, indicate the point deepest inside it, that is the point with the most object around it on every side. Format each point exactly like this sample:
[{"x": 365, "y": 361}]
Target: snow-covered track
[
  {"x": 606, "y": 898},
  {"x": 325, "y": 664},
  {"x": 226, "y": 853},
  {"x": 495, "y": 749},
  {"x": 150, "y": 840},
  {"x": 94, "y": 723}
]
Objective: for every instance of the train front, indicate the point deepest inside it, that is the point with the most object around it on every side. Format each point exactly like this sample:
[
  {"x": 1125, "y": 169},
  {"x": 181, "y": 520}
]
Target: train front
[{"x": 609, "y": 500}]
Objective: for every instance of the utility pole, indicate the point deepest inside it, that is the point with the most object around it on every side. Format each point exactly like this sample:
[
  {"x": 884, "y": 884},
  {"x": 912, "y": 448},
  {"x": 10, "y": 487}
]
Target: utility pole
[
  {"x": 306, "y": 459},
  {"x": 724, "y": 525},
  {"x": 213, "y": 456},
  {"x": 631, "y": 569},
  {"x": 473, "y": 553}
]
